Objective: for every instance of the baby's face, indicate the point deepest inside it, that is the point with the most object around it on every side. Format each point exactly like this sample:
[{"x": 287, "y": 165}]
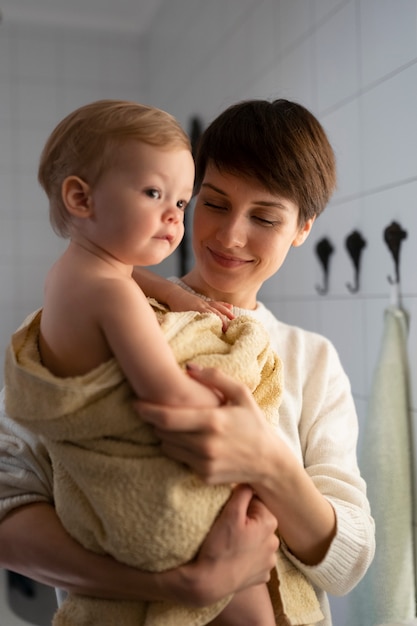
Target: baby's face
[{"x": 138, "y": 205}]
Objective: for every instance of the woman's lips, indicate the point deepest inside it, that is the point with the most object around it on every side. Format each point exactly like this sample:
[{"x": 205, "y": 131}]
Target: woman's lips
[{"x": 227, "y": 260}]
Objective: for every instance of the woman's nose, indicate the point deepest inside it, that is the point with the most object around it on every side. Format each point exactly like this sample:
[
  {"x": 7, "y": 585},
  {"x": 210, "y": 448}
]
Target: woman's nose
[{"x": 232, "y": 234}]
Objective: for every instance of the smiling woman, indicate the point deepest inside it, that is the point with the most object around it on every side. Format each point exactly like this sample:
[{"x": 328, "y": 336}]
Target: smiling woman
[{"x": 264, "y": 172}]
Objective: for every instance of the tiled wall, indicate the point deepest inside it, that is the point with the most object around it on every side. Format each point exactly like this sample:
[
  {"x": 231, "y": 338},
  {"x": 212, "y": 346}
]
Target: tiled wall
[{"x": 352, "y": 62}]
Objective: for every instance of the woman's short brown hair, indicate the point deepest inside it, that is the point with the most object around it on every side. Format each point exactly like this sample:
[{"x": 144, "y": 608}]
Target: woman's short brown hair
[
  {"x": 280, "y": 144},
  {"x": 85, "y": 144}
]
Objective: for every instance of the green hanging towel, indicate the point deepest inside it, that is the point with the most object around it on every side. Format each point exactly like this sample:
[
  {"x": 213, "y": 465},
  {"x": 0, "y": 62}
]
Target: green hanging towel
[{"x": 388, "y": 591}]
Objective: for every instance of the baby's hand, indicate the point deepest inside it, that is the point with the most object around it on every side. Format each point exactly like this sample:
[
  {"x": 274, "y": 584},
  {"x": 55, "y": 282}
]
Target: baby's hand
[{"x": 179, "y": 299}]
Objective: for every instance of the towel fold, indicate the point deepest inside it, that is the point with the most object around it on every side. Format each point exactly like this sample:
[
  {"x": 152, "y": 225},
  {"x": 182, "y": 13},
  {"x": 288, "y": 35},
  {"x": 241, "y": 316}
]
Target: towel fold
[
  {"x": 114, "y": 491},
  {"x": 387, "y": 592}
]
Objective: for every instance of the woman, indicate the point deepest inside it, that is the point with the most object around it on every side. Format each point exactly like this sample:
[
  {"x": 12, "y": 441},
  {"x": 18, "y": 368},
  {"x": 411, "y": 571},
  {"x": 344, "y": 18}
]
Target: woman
[{"x": 264, "y": 172}]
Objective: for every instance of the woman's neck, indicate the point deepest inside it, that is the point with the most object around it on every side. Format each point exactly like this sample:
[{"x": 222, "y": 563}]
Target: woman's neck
[{"x": 240, "y": 300}]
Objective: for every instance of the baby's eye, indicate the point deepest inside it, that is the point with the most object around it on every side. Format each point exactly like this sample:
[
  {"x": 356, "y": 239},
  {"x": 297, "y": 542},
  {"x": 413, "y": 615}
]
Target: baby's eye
[
  {"x": 182, "y": 204},
  {"x": 153, "y": 193}
]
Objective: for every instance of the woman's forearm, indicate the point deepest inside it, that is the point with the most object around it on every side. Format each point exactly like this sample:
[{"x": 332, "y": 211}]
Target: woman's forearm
[
  {"x": 153, "y": 285},
  {"x": 239, "y": 552},
  {"x": 34, "y": 543},
  {"x": 307, "y": 521}
]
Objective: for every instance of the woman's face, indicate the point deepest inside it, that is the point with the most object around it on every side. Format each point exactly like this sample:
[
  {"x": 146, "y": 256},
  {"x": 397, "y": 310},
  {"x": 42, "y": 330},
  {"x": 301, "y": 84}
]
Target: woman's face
[{"x": 241, "y": 236}]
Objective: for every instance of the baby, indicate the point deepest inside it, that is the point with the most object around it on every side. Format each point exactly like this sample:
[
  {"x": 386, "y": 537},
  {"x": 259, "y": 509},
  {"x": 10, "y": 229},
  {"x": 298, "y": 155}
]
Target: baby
[{"x": 119, "y": 176}]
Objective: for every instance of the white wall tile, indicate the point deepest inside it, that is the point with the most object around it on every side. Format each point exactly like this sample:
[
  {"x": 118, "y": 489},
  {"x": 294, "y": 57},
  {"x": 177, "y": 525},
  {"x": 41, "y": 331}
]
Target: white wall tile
[
  {"x": 297, "y": 76},
  {"x": 389, "y": 130},
  {"x": 343, "y": 129},
  {"x": 6, "y": 143},
  {"x": 342, "y": 322},
  {"x": 80, "y": 59},
  {"x": 337, "y": 57},
  {"x": 122, "y": 63},
  {"x": 6, "y": 197},
  {"x": 388, "y": 37},
  {"x": 339, "y": 608},
  {"x": 295, "y": 19},
  {"x": 5, "y": 54},
  {"x": 35, "y": 51},
  {"x": 36, "y": 102},
  {"x": 7, "y": 236},
  {"x": 361, "y": 405},
  {"x": 325, "y": 8},
  {"x": 7, "y": 281},
  {"x": 5, "y": 98}
]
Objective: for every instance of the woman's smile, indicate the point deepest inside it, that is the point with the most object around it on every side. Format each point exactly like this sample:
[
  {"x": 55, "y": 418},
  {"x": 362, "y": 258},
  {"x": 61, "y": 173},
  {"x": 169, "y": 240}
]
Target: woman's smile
[{"x": 226, "y": 259}]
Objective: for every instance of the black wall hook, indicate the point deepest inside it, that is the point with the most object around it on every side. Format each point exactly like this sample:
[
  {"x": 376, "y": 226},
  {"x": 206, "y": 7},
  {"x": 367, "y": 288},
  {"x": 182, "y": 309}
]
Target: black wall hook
[
  {"x": 355, "y": 243},
  {"x": 393, "y": 236},
  {"x": 324, "y": 250}
]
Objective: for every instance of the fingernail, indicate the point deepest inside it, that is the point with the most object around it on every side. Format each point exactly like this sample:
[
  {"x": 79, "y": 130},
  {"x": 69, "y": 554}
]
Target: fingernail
[{"x": 192, "y": 367}]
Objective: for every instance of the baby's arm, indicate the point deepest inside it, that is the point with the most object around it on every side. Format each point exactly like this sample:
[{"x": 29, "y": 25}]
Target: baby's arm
[
  {"x": 142, "y": 351},
  {"x": 251, "y": 607},
  {"x": 179, "y": 299}
]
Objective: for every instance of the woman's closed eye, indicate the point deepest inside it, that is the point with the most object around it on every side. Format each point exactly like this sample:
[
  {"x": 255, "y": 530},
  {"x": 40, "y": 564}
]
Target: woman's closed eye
[
  {"x": 266, "y": 222},
  {"x": 212, "y": 205}
]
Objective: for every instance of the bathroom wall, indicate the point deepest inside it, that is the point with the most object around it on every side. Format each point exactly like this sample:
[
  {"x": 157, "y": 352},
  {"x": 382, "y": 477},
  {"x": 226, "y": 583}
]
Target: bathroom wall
[{"x": 352, "y": 62}]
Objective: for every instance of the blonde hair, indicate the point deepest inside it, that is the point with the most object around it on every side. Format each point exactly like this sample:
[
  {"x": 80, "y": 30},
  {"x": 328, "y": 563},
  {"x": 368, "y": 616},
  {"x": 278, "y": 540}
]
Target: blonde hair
[{"x": 85, "y": 144}]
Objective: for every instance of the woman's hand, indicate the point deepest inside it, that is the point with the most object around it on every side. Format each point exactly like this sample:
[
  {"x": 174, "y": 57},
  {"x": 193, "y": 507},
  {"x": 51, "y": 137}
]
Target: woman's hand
[
  {"x": 223, "y": 444},
  {"x": 239, "y": 552},
  {"x": 179, "y": 299}
]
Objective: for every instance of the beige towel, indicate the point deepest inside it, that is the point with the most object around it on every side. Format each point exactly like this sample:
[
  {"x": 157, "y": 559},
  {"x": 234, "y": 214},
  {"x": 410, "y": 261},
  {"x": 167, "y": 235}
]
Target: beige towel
[
  {"x": 114, "y": 491},
  {"x": 293, "y": 598}
]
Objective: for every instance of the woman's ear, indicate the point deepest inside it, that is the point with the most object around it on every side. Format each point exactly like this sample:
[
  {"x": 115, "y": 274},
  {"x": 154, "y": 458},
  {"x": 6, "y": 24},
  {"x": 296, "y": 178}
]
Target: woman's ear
[
  {"x": 76, "y": 195},
  {"x": 303, "y": 232}
]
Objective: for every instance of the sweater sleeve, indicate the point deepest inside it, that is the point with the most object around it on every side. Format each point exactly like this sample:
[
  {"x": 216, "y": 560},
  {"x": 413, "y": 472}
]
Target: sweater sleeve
[
  {"x": 25, "y": 467},
  {"x": 328, "y": 431}
]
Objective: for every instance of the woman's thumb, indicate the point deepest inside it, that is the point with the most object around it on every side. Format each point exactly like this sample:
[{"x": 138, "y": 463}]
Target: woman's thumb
[{"x": 232, "y": 391}]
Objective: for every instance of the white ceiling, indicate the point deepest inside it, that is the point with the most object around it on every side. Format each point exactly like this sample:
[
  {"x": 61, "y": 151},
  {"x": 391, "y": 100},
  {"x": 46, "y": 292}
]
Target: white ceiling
[{"x": 117, "y": 16}]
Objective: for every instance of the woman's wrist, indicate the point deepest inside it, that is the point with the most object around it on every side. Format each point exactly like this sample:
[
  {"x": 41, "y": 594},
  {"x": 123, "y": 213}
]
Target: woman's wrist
[{"x": 190, "y": 584}]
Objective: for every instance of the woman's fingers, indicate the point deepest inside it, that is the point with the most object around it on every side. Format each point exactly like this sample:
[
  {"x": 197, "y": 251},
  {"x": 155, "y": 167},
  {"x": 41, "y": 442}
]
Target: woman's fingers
[
  {"x": 233, "y": 391},
  {"x": 221, "y": 444},
  {"x": 185, "y": 419},
  {"x": 245, "y": 536}
]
